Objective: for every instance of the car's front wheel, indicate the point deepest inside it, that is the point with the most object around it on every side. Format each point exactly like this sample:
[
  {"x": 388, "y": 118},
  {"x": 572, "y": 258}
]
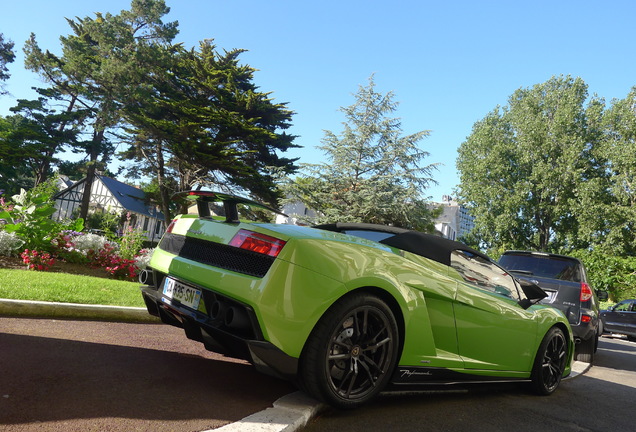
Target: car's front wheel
[
  {"x": 351, "y": 353},
  {"x": 550, "y": 362}
]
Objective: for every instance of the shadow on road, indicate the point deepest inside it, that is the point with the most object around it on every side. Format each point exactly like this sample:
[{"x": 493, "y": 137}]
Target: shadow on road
[
  {"x": 51, "y": 380},
  {"x": 622, "y": 357},
  {"x": 602, "y": 399}
]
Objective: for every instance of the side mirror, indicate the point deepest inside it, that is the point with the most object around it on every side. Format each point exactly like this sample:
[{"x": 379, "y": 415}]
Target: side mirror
[
  {"x": 533, "y": 292},
  {"x": 602, "y": 295}
]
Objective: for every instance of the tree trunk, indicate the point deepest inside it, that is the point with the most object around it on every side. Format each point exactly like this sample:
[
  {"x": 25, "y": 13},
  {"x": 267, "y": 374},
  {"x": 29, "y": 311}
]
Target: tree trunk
[
  {"x": 163, "y": 190},
  {"x": 98, "y": 137}
]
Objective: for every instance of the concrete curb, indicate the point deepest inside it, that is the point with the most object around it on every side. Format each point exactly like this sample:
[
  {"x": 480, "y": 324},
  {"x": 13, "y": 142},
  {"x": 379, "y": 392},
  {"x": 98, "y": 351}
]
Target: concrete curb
[
  {"x": 40, "y": 309},
  {"x": 578, "y": 368},
  {"x": 289, "y": 413}
]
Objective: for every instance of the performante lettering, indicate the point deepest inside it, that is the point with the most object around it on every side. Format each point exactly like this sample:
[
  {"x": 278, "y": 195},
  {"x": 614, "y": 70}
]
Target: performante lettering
[{"x": 405, "y": 373}]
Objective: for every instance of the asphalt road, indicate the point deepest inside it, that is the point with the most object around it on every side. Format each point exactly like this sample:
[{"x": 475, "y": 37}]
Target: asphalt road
[
  {"x": 601, "y": 400},
  {"x": 59, "y": 375}
]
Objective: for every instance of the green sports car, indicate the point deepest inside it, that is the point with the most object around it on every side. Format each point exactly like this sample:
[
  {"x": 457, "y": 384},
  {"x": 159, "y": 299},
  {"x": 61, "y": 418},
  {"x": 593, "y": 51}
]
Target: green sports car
[{"x": 349, "y": 310}]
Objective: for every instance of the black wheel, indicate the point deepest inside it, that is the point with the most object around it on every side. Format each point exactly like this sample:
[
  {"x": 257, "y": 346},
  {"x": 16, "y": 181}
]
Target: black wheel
[
  {"x": 351, "y": 353},
  {"x": 599, "y": 333},
  {"x": 584, "y": 351},
  {"x": 550, "y": 362}
]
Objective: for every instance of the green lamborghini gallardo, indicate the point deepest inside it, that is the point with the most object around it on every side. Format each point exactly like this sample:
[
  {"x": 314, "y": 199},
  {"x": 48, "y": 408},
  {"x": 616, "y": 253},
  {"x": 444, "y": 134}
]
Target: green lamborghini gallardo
[{"x": 349, "y": 310}]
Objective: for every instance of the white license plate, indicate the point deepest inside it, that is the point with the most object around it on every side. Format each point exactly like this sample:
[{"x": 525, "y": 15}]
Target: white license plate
[{"x": 184, "y": 294}]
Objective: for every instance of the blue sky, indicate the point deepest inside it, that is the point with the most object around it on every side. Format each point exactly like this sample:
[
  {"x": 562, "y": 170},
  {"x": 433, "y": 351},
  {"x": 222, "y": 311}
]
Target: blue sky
[{"x": 448, "y": 63}]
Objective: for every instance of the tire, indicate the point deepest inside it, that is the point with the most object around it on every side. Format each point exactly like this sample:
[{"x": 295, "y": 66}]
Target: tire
[
  {"x": 584, "y": 351},
  {"x": 351, "y": 353},
  {"x": 599, "y": 333},
  {"x": 550, "y": 362}
]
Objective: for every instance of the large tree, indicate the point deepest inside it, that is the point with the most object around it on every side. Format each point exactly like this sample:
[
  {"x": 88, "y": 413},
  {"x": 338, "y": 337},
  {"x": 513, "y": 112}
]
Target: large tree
[
  {"x": 14, "y": 175},
  {"x": 522, "y": 166},
  {"x": 102, "y": 67},
  {"x": 374, "y": 173},
  {"x": 37, "y": 135},
  {"x": 192, "y": 115},
  {"x": 612, "y": 224},
  {"x": 6, "y": 56},
  {"x": 204, "y": 121}
]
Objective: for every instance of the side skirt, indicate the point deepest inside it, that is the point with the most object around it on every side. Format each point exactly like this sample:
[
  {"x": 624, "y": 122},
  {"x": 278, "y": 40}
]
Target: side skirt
[{"x": 407, "y": 378}]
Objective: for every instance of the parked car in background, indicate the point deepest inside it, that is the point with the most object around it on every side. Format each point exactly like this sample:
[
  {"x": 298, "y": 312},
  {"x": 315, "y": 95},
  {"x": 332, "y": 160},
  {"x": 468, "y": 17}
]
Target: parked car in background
[
  {"x": 349, "y": 310},
  {"x": 564, "y": 279},
  {"x": 621, "y": 319}
]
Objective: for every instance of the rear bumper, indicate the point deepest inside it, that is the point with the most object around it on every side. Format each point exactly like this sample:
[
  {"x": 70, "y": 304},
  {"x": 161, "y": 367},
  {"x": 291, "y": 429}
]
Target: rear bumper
[
  {"x": 583, "y": 332},
  {"x": 217, "y": 335}
]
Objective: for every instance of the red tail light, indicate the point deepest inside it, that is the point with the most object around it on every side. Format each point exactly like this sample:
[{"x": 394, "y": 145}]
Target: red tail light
[
  {"x": 586, "y": 318},
  {"x": 257, "y": 242},
  {"x": 586, "y": 292}
]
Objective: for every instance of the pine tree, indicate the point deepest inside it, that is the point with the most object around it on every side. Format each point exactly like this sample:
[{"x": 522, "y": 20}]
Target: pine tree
[{"x": 374, "y": 174}]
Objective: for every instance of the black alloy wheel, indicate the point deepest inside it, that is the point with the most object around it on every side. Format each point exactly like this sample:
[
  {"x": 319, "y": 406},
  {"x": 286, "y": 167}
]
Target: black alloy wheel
[
  {"x": 550, "y": 362},
  {"x": 352, "y": 352}
]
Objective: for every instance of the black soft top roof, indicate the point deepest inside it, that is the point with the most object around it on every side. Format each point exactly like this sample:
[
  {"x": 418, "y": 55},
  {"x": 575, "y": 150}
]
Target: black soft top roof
[{"x": 427, "y": 245}]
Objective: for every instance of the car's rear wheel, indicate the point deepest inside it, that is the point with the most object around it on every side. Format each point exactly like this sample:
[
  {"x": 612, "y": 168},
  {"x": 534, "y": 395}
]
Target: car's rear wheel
[
  {"x": 351, "y": 353},
  {"x": 550, "y": 362}
]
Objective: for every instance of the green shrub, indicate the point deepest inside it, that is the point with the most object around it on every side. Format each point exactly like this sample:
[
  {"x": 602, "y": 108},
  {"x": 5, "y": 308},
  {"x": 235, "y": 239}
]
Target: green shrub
[
  {"x": 28, "y": 215},
  {"x": 10, "y": 243},
  {"x": 131, "y": 242}
]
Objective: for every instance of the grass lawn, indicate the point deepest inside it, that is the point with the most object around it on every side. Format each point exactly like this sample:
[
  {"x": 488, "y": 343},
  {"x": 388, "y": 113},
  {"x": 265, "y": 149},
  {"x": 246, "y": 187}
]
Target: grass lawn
[{"x": 18, "y": 284}]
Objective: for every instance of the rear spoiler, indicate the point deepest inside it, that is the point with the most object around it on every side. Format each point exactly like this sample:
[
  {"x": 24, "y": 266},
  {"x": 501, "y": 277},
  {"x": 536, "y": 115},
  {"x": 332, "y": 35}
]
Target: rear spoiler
[{"x": 230, "y": 203}]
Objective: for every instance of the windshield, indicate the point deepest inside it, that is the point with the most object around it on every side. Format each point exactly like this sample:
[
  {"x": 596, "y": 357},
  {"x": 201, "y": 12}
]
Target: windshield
[{"x": 552, "y": 267}]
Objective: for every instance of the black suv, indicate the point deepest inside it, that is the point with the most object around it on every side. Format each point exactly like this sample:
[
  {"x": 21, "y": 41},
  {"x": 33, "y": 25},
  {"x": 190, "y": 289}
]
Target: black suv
[{"x": 564, "y": 279}]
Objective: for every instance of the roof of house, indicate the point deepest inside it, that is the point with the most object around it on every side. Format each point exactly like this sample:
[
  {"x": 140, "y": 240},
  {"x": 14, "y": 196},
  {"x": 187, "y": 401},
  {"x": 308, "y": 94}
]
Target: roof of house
[{"x": 130, "y": 197}]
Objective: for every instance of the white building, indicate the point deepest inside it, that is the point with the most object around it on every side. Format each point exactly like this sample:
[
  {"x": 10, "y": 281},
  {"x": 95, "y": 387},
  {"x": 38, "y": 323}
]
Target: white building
[{"x": 455, "y": 221}]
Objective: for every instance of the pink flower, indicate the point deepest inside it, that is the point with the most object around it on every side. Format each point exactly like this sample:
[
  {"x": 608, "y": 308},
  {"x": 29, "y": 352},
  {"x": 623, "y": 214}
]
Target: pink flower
[{"x": 36, "y": 260}]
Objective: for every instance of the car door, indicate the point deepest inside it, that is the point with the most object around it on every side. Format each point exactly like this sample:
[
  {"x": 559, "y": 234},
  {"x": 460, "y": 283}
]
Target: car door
[
  {"x": 493, "y": 331},
  {"x": 616, "y": 319}
]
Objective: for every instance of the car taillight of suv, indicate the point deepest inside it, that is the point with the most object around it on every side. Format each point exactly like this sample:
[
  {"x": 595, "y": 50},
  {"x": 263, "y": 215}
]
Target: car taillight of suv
[{"x": 586, "y": 292}]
